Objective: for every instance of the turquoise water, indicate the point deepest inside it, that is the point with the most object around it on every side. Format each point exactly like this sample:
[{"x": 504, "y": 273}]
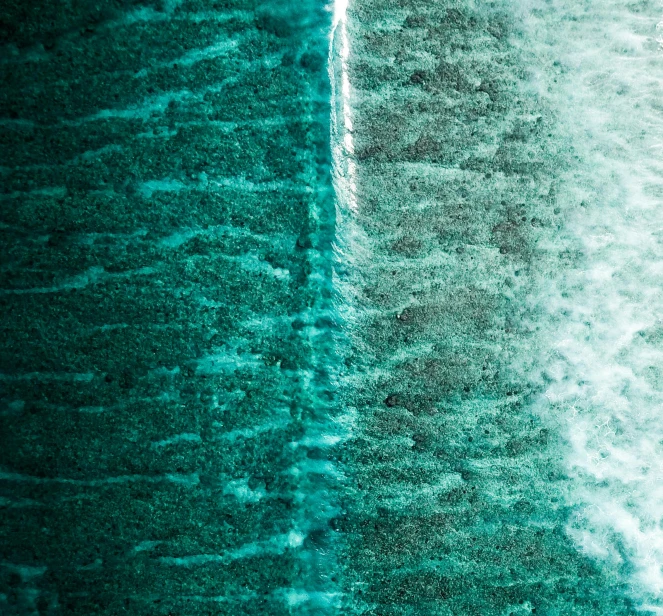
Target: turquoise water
[{"x": 347, "y": 309}]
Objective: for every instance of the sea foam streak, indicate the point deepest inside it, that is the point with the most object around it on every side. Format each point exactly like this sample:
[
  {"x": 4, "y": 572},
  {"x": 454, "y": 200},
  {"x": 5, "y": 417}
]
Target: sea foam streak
[{"x": 604, "y": 364}]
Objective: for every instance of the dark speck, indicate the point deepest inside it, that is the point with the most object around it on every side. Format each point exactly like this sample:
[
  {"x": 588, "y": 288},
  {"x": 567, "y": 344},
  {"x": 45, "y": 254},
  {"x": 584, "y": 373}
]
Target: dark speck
[{"x": 391, "y": 400}]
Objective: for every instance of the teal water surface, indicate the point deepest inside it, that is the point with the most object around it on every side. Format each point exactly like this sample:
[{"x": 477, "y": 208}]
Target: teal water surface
[
  {"x": 166, "y": 216},
  {"x": 330, "y": 309}
]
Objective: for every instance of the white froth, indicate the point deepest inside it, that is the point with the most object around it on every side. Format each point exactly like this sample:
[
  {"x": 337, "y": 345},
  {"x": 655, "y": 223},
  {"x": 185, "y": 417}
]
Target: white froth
[{"x": 603, "y": 69}]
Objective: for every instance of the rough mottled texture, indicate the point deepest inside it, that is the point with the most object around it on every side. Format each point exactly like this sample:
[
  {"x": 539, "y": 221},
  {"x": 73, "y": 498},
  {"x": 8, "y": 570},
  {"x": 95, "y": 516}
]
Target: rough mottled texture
[
  {"x": 165, "y": 215},
  {"x": 457, "y": 503},
  {"x": 223, "y": 393}
]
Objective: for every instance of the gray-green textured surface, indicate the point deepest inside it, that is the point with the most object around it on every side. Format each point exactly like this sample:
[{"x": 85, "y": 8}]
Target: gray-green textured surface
[{"x": 458, "y": 495}]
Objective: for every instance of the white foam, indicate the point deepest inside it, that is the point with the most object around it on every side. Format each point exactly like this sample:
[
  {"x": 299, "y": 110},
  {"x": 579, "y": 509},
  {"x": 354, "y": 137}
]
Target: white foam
[{"x": 604, "y": 352}]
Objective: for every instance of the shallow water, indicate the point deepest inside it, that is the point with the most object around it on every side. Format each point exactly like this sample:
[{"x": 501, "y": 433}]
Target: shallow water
[
  {"x": 497, "y": 187},
  {"x": 347, "y": 309}
]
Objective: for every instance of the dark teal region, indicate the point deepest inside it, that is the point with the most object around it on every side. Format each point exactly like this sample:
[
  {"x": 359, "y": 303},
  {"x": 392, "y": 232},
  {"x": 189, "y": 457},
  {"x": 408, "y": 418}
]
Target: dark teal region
[{"x": 166, "y": 211}]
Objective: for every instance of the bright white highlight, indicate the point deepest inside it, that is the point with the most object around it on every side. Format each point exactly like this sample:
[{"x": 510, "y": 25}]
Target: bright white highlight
[{"x": 343, "y": 140}]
